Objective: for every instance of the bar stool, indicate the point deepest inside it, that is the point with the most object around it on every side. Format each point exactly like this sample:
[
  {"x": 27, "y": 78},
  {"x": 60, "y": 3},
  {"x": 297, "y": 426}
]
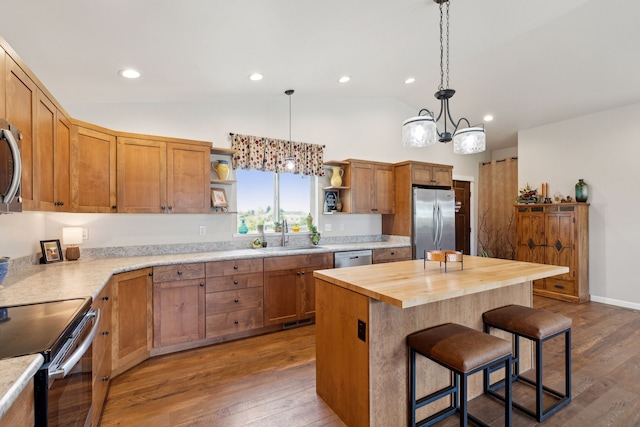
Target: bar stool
[
  {"x": 463, "y": 351},
  {"x": 537, "y": 326}
]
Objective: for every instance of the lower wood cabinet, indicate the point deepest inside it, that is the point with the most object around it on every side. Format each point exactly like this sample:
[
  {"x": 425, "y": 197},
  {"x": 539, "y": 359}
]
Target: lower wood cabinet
[
  {"x": 101, "y": 353},
  {"x": 132, "y": 313},
  {"x": 391, "y": 255},
  {"x": 289, "y": 286},
  {"x": 178, "y": 304},
  {"x": 234, "y": 297},
  {"x": 22, "y": 412}
]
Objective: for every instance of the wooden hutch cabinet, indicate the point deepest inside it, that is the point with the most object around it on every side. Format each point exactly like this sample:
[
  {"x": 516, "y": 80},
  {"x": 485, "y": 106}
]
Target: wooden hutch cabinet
[{"x": 556, "y": 234}]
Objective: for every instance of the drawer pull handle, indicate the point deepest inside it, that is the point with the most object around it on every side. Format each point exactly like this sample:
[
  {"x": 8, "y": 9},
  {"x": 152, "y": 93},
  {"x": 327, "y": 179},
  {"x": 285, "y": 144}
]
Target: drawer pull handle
[
  {"x": 236, "y": 322},
  {"x": 559, "y": 286},
  {"x": 393, "y": 253},
  {"x": 105, "y": 378},
  {"x": 179, "y": 273},
  {"x": 105, "y": 332},
  {"x": 236, "y": 300},
  {"x": 235, "y": 282},
  {"x": 105, "y": 298}
]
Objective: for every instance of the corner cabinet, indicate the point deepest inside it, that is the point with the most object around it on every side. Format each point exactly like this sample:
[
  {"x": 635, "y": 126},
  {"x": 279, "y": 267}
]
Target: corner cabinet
[
  {"x": 101, "y": 353},
  {"x": 556, "y": 234}
]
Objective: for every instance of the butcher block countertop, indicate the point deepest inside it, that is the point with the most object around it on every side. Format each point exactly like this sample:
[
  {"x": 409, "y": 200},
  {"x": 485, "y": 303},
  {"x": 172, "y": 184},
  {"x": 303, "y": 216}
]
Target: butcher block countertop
[{"x": 411, "y": 283}]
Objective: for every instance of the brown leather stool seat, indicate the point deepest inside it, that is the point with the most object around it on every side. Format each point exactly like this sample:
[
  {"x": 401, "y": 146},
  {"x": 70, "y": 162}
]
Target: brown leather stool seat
[
  {"x": 538, "y": 326},
  {"x": 464, "y": 351}
]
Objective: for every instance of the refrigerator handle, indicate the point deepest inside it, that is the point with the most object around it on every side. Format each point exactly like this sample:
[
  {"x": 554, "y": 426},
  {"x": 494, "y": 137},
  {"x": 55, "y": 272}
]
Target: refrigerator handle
[
  {"x": 435, "y": 225},
  {"x": 436, "y": 241},
  {"x": 441, "y": 228}
]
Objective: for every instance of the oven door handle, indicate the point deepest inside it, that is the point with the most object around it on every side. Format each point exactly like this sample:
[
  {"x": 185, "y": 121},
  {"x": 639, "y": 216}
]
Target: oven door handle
[{"x": 66, "y": 367}]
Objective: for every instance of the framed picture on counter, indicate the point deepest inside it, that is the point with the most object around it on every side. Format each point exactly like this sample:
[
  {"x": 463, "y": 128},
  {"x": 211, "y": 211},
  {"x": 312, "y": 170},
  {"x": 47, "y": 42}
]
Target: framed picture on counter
[
  {"x": 51, "y": 251},
  {"x": 219, "y": 198}
]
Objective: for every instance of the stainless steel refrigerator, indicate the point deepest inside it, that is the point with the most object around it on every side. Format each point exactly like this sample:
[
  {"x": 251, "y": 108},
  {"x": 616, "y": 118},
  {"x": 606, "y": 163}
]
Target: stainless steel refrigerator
[{"x": 434, "y": 223}]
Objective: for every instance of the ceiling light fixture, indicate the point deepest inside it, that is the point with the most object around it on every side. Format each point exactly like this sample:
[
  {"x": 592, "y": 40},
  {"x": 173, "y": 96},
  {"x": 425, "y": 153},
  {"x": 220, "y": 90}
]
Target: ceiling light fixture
[
  {"x": 256, "y": 77},
  {"x": 129, "y": 73},
  {"x": 422, "y": 130},
  {"x": 290, "y": 161},
  {"x": 344, "y": 79},
  {"x": 409, "y": 80}
]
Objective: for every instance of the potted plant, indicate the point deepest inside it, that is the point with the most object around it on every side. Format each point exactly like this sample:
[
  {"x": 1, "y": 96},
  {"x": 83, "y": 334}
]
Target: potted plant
[
  {"x": 314, "y": 234},
  {"x": 338, "y": 205},
  {"x": 277, "y": 227}
]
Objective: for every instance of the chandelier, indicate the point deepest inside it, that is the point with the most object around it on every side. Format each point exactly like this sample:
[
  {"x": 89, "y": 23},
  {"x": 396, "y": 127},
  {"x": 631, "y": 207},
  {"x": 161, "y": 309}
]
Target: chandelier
[{"x": 422, "y": 130}]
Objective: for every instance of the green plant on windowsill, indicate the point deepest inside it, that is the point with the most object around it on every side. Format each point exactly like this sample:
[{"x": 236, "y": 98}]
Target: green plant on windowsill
[
  {"x": 314, "y": 235},
  {"x": 277, "y": 227}
]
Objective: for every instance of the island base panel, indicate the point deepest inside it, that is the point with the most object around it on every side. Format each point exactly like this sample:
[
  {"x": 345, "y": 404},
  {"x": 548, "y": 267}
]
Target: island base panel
[{"x": 347, "y": 375}]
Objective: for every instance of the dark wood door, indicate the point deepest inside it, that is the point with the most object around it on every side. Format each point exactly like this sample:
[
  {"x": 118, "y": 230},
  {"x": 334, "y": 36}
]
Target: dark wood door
[{"x": 463, "y": 217}]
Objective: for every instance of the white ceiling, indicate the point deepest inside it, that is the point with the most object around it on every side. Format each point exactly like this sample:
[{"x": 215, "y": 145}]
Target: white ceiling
[{"x": 526, "y": 62}]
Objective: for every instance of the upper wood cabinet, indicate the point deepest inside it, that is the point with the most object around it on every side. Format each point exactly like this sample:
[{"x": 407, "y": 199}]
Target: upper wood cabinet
[
  {"x": 372, "y": 187},
  {"x": 20, "y": 104},
  {"x": 93, "y": 166},
  {"x": 156, "y": 176},
  {"x": 52, "y": 151},
  {"x": 407, "y": 175},
  {"x": 431, "y": 174}
]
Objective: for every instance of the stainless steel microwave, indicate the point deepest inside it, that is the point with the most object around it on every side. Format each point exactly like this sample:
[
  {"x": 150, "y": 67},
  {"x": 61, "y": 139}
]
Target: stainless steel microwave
[{"x": 10, "y": 168}]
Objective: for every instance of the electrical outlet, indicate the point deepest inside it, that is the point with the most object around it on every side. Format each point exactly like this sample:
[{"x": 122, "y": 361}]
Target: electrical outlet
[
  {"x": 203, "y": 230},
  {"x": 85, "y": 234},
  {"x": 362, "y": 330},
  {"x": 328, "y": 227},
  {"x": 341, "y": 227}
]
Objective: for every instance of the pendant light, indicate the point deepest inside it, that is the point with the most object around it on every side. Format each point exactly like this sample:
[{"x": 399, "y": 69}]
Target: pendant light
[
  {"x": 422, "y": 130},
  {"x": 290, "y": 161}
]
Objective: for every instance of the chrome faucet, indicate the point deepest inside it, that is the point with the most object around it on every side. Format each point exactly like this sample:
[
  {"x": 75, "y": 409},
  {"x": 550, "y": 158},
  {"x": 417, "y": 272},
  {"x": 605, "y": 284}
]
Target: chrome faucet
[{"x": 285, "y": 230}]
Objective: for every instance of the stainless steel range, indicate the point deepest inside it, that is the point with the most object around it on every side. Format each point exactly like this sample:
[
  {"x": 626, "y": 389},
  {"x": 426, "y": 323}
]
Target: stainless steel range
[{"x": 62, "y": 331}]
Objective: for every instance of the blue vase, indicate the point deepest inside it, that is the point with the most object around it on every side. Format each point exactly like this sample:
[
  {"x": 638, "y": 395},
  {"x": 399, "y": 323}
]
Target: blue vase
[
  {"x": 243, "y": 227},
  {"x": 582, "y": 191}
]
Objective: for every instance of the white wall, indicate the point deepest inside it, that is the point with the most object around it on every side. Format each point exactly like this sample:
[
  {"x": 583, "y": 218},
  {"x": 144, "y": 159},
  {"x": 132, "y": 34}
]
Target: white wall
[
  {"x": 603, "y": 149},
  {"x": 368, "y": 129}
]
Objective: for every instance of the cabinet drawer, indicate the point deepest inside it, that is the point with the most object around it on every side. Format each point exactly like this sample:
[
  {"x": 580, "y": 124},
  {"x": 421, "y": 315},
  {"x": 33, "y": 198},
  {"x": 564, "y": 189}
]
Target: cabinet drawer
[
  {"x": 324, "y": 260},
  {"x": 226, "y": 301},
  {"x": 236, "y": 281},
  {"x": 235, "y": 321},
  {"x": 172, "y": 273},
  {"x": 239, "y": 266},
  {"x": 391, "y": 254},
  {"x": 560, "y": 286}
]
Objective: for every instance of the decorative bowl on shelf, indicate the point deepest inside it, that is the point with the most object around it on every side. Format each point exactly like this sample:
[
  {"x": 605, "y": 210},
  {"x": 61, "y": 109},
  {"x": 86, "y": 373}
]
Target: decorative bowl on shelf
[{"x": 4, "y": 267}]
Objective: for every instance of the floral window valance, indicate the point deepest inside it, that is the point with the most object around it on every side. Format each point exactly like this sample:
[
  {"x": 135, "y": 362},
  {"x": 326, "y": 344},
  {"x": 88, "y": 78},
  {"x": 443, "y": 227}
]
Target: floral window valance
[{"x": 269, "y": 154}]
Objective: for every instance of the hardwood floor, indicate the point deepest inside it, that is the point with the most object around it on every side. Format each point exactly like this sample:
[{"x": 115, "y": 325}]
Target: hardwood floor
[{"x": 270, "y": 380}]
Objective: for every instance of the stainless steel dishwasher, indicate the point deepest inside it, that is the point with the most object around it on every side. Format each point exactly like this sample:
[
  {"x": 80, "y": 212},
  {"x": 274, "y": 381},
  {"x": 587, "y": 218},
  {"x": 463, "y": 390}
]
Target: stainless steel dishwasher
[{"x": 351, "y": 258}]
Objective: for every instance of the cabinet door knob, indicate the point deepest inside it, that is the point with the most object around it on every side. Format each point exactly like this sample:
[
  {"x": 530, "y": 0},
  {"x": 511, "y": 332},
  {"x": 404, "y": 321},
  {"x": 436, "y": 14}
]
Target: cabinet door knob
[
  {"x": 202, "y": 285},
  {"x": 114, "y": 207},
  {"x": 235, "y": 267},
  {"x": 236, "y": 322},
  {"x": 236, "y": 300},
  {"x": 105, "y": 378},
  {"x": 179, "y": 272},
  {"x": 170, "y": 207},
  {"x": 105, "y": 298},
  {"x": 235, "y": 282},
  {"x": 163, "y": 207},
  {"x": 105, "y": 332}
]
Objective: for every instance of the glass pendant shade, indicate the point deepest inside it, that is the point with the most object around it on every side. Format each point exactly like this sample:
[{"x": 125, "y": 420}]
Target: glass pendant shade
[
  {"x": 419, "y": 131},
  {"x": 469, "y": 140},
  {"x": 290, "y": 163}
]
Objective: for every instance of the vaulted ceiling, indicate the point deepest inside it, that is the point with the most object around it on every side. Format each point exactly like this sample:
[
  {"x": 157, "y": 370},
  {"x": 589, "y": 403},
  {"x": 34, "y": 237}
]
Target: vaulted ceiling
[{"x": 527, "y": 63}]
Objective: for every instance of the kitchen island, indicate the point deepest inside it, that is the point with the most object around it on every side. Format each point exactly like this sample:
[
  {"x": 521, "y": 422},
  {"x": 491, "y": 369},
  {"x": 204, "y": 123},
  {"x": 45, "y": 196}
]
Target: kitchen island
[{"x": 363, "y": 315}]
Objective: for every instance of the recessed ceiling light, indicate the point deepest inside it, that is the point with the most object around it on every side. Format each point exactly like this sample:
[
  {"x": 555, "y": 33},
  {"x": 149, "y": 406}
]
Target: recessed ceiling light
[
  {"x": 255, "y": 77},
  {"x": 344, "y": 79},
  {"x": 488, "y": 118},
  {"x": 129, "y": 73},
  {"x": 409, "y": 80}
]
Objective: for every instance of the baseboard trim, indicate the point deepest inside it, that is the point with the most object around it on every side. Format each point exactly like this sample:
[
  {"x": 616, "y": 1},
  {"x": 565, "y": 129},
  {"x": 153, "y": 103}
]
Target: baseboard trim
[{"x": 616, "y": 302}]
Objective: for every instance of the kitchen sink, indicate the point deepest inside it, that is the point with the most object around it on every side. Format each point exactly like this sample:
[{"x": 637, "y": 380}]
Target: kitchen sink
[{"x": 288, "y": 248}]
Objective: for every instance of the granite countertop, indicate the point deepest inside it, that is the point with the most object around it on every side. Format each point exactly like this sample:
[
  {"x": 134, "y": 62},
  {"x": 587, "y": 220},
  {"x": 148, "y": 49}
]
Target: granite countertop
[
  {"x": 15, "y": 374},
  {"x": 87, "y": 276}
]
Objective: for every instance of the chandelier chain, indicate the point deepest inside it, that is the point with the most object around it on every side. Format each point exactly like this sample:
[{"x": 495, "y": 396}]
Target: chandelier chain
[
  {"x": 447, "y": 39},
  {"x": 441, "y": 53}
]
